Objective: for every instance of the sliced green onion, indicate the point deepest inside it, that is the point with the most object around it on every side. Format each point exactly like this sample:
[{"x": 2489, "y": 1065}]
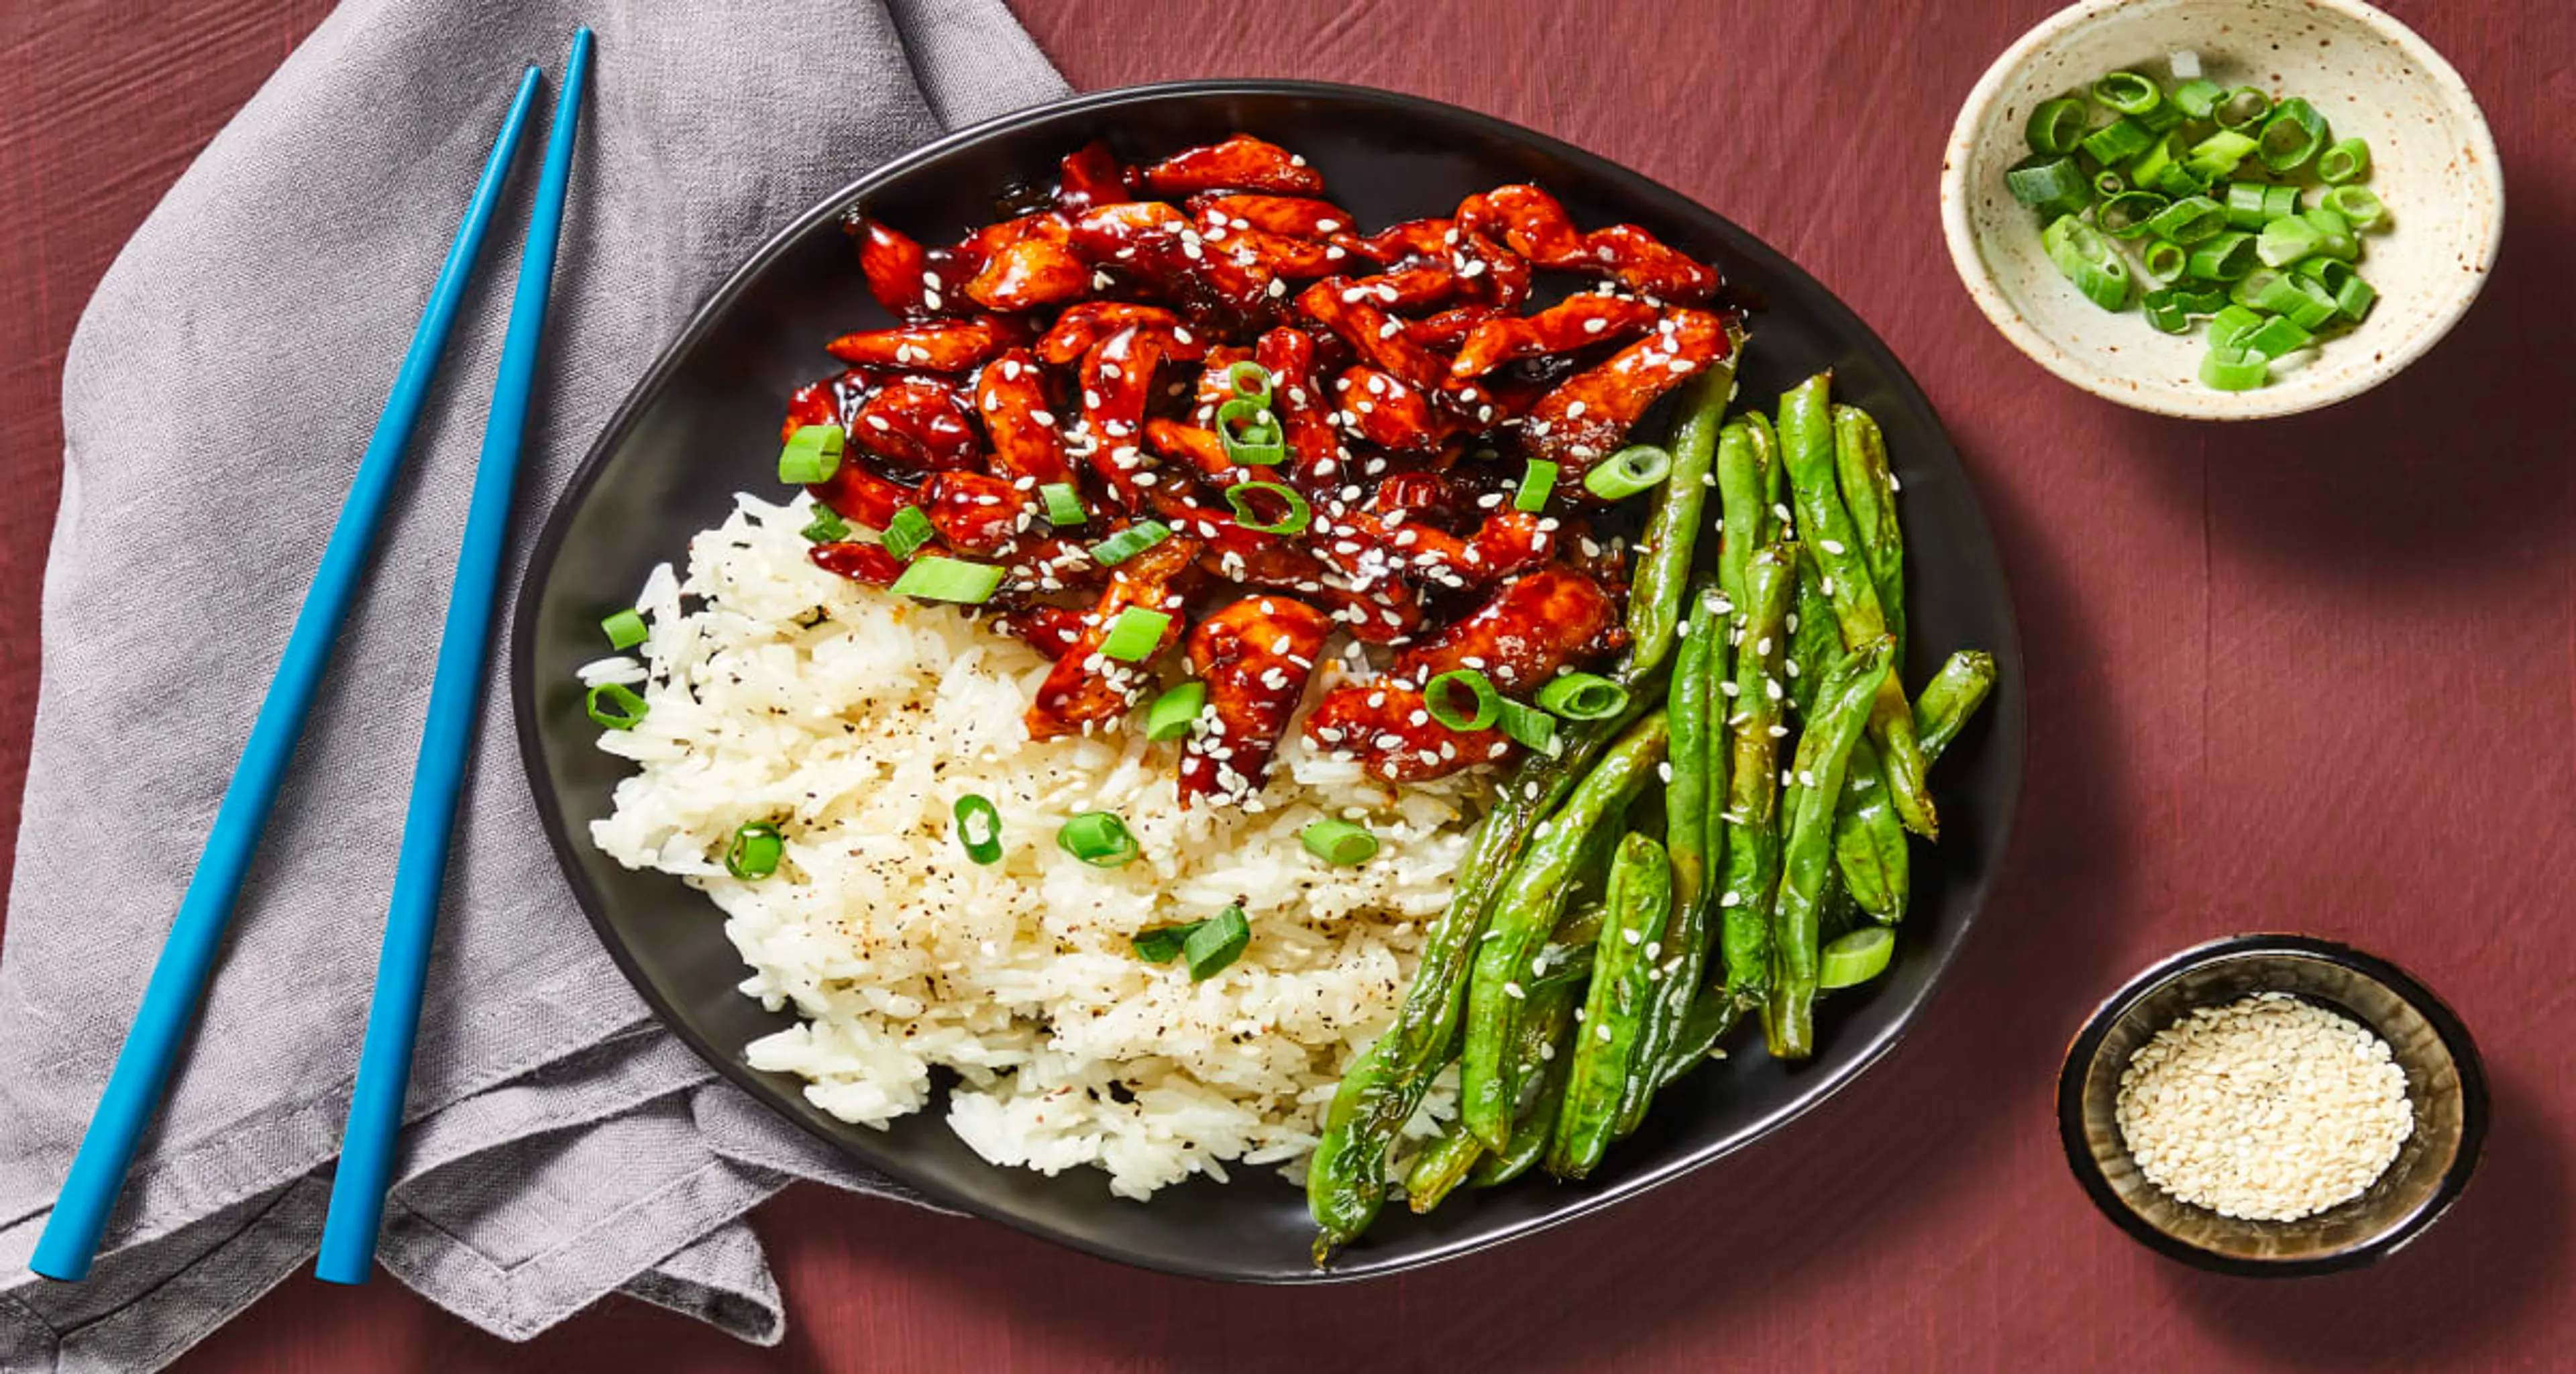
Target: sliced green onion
[
  {"x": 1250, "y": 433},
  {"x": 1537, "y": 480},
  {"x": 2198, "y": 298},
  {"x": 2189, "y": 220},
  {"x": 2199, "y": 97},
  {"x": 2217, "y": 156},
  {"x": 2243, "y": 109},
  {"x": 1529, "y": 726},
  {"x": 2117, "y": 141},
  {"x": 1099, "y": 839},
  {"x": 1298, "y": 516},
  {"x": 2228, "y": 328},
  {"x": 2127, "y": 92},
  {"x": 2288, "y": 239},
  {"x": 2050, "y": 185},
  {"x": 2234, "y": 369},
  {"x": 2109, "y": 183},
  {"x": 1339, "y": 843},
  {"x": 2250, "y": 289},
  {"x": 2223, "y": 257},
  {"x": 1175, "y": 710},
  {"x": 2348, "y": 160},
  {"x": 1134, "y": 635},
  {"x": 1853, "y": 959},
  {"x": 2334, "y": 233},
  {"x": 2164, "y": 261},
  {"x": 948, "y": 579},
  {"x": 1063, "y": 504},
  {"x": 613, "y": 707},
  {"x": 2179, "y": 181},
  {"x": 827, "y": 527},
  {"x": 908, "y": 531},
  {"x": 1583, "y": 696},
  {"x": 2304, "y": 302},
  {"x": 1217, "y": 942},
  {"x": 812, "y": 454},
  {"x": 2253, "y": 204},
  {"x": 1250, "y": 381},
  {"x": 979, "y": 828},
  {"x": 2352, "y": 295},
  {"x": 1162, "y": 944},
  {"x": 2165, "y": 313},
  {"x": 2056, "y": 126},
  {"x": 2160, "y": 120},
  {"x": 1129, "y": 542},
  {"x": 2088, "y": 260},
  {"x": 2292, "y": 135},
  {"x": 2359, "y": 205},
  {"x": 1444, "y": 708},
  {"x": 625, "y": 629},
  {"x": 2125, "y": 216},
  {"x": 2279, "y": 334},
  {"x": 2148, "y": 168},
  {"x": 1636, "y": 468},
  {"x": 755, "y": 851}
]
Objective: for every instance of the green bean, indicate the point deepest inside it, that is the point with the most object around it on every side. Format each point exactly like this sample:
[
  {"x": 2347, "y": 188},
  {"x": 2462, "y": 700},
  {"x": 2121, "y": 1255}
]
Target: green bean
[
  {"x": 1551, "y": 1022},
  {"x": 1869, "y": 841},
  {"x": 1869, "y": 493},
  {"x": 1815, "y": 637},
  {"x": 1488, "y": 1079},
  {"x": 1614, "y": 1008},
  {"x": 1698, "y": 716},
  {"x": 1346, "y": 1180},
  {"x": 1953, "y": 695},
  {"x": 1741, "y": 509},
  {"x": 1843, "y": 706},
  {"x": 1766, "y": 451},
  {"x": 1440, "y": 1167},
  {"x": 1753, "y": 785},
  {"x": 1665, "y": 552},
  {"x": 1807, "y": 451},
  {"x": 1711, "y": 1017}
]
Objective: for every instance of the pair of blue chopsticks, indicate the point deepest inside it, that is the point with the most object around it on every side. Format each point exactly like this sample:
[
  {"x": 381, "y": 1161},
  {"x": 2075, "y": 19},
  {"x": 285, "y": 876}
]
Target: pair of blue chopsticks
[{"x": 177, "y": 988}]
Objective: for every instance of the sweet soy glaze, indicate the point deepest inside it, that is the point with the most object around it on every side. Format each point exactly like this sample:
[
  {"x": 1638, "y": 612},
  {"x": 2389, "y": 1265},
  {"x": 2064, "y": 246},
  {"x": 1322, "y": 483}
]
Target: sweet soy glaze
[{"x": 1416, "y": 395}]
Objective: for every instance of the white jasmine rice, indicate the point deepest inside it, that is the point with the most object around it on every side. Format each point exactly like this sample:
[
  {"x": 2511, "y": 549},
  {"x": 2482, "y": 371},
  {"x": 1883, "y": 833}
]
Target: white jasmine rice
[
  {"x": 854, "y": 720},
  {"x": 2268, "y": 1108}
]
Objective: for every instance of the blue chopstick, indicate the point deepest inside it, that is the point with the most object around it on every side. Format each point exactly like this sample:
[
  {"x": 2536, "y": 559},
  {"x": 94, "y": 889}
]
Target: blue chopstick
[
  {"x": 178, "y": 985},
  {"x": 447, "y": 736}
]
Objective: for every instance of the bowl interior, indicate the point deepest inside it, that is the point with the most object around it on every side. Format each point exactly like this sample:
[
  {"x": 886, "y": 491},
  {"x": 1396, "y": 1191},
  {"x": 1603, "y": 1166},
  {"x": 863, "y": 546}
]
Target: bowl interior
[
  {"x": 2442, "y": 1086},
  {"x": 2432, "y": 162},
  {"x": 703, "y": 425}
]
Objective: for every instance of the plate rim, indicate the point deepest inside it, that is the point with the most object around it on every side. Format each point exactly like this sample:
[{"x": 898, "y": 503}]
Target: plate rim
[{"x": 2008, "y": 724}]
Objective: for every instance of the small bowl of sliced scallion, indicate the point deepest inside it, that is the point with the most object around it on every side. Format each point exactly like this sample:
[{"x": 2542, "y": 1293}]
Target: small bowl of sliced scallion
[{"x": 2222, "y": 209}]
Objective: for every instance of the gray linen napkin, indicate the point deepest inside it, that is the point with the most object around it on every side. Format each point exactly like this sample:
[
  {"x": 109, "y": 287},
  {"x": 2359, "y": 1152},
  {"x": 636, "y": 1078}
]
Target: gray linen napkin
[{"x": 217, "y": 395}]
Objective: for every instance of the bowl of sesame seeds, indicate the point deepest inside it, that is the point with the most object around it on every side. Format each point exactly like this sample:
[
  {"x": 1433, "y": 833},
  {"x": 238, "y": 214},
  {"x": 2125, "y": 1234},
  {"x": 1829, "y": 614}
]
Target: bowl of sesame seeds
[{"x": 2273, "y": 1105}]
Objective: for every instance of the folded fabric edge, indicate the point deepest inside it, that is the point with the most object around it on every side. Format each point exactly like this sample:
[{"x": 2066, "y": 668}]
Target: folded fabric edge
[
  {"x": 518, "y": 1302},
  {"x": 252, "y": 1253}
]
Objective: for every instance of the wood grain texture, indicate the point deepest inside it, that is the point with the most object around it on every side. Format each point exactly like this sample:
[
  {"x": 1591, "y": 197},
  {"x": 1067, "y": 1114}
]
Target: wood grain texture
[{"x": 2315, "y": 674}]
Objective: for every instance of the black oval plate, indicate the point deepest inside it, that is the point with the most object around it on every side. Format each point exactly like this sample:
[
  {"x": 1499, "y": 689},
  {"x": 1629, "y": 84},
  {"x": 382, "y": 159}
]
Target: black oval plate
[{"x": 703, "y": 425}]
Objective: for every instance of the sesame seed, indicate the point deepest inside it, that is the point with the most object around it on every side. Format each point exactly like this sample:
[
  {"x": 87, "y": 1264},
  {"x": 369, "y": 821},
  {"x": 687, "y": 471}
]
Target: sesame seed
[{"x": 2267, "y": 1108}]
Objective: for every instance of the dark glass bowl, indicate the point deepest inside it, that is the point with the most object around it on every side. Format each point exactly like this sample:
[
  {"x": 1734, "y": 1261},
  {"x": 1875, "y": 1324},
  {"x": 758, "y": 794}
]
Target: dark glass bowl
[
  {"x": 703, "y": 424},
  {"x": 2445, "y": 1084}
]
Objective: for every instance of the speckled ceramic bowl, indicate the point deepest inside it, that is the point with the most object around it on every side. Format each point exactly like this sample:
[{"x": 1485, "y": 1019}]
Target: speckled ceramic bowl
[
  {"x": 2445, "y": 1085},
  {"x": 2433, "y": 163}
]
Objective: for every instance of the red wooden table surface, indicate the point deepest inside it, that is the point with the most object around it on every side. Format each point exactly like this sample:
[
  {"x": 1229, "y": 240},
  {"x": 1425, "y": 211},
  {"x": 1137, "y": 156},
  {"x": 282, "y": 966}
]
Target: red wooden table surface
[{"x": 2317, "y": 673}]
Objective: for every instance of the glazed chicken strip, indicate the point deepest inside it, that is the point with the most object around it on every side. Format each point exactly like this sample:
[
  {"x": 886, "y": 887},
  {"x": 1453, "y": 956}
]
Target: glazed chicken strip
[
  {"x": 1086, "y": 688},
  {"x": 1255, "y": 656}
]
